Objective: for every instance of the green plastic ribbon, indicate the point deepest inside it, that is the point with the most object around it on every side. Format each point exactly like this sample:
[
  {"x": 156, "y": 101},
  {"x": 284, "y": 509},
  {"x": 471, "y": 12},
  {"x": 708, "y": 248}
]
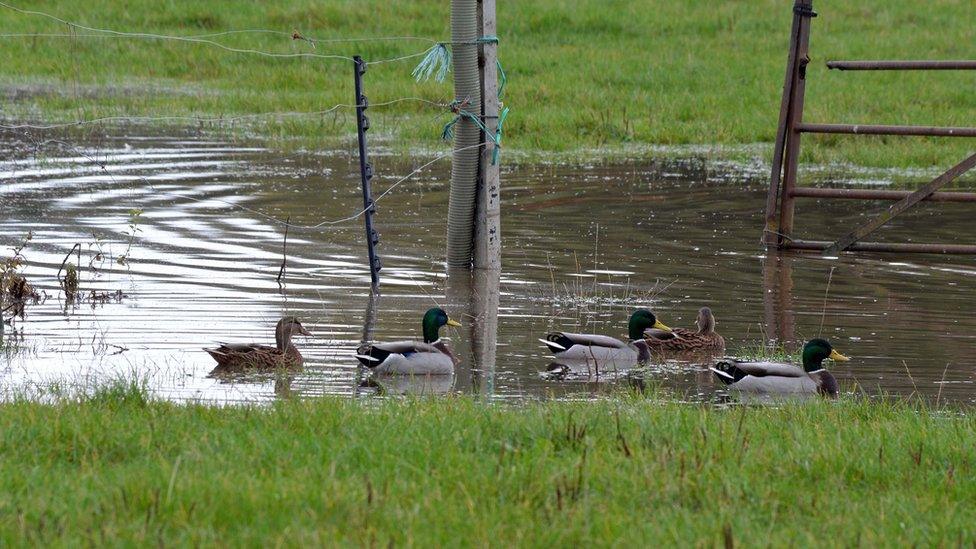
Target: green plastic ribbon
[
  {"x": 440, "y": 56},
  {"x": 437, "y": 62},
  {"x": 496, "y": 137},
  {"x": 448, "y": 132},
  {"x": 502, "y": 79}
]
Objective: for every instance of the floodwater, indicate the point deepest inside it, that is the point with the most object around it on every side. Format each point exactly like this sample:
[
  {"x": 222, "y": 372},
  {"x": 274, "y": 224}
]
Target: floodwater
[{"x": 583, "y": 246}]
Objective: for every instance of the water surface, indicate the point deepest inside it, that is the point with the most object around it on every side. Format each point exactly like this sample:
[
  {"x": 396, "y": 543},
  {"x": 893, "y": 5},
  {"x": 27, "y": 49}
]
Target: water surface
[{"x": 584, "y": 245}]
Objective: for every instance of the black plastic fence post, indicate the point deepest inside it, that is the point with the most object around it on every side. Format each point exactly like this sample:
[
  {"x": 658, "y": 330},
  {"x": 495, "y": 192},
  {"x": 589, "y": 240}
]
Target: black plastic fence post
[{"x": 366, "y": 171}]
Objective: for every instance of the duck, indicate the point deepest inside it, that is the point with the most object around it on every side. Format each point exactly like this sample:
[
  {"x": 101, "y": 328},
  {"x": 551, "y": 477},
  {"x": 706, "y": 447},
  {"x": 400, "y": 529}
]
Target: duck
[
  {"x": 250, "y": 356},
  {"x": 685, "y": 340},
  {"x": 432, "y": 356},
  {"x": 601, "y": 348},
  {"x": 783, "y": 378}
]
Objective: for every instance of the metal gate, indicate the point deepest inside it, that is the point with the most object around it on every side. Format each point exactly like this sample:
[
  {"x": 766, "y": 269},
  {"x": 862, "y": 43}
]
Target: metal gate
[{"x": 783, "y": 188}]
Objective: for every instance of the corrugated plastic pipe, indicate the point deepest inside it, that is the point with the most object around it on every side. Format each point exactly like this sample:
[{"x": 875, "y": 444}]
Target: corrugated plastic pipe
[{"x": 467, "y": 135}]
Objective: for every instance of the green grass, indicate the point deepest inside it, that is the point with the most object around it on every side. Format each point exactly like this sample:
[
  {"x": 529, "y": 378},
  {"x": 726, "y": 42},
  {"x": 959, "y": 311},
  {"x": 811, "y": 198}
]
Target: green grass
[
  {"x": 776, "y": 352},
  {"x": 9, "y": 346},
  {"x": 119, "y": 468},
  {"x": 585, "y": 74}
]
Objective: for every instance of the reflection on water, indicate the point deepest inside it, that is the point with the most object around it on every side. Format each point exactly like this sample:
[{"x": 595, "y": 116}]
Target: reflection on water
[
  {"x": 475, "y": 296},
  {"x": 584, "y": 246},
  {"x": 412, "y": 385}
]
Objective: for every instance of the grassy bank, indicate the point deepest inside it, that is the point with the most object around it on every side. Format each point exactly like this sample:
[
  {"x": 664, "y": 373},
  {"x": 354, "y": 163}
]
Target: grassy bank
[
  {"x": 117, "y": 466},
  {"x": 582, "y": 75}
]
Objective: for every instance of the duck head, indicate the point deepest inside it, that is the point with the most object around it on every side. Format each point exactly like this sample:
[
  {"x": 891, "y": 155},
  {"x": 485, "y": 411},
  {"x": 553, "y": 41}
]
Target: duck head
[
  {"x": 287, "y": 327},
  {"x": 641, "y": 320},
  {"x": 705, "y": 321},
  {"x": 434, "y": 319},
  {"x": 818, "y": 350}
]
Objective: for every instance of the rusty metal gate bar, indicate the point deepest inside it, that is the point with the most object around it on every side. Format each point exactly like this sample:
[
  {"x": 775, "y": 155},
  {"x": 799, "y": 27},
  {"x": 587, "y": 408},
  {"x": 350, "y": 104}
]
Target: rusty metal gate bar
[
  {"x": 770, "y": 236},
  {"x": 783, "y": 188},
  {"x": 845, "y": 241},
  {"x": 901, "y": 65},
  {"x": 873, "y": 129},
  {"x": 872, "y": 194}
]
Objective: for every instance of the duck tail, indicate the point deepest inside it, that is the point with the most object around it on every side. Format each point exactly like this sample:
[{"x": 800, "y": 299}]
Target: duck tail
[
  {"x": 216, "y": 354},
  {"x": 727, "y": 372},
  {"x": 370, "y": 356},
  {"x": 557, "y": 342},
  {"x": 552, "y": 345}
]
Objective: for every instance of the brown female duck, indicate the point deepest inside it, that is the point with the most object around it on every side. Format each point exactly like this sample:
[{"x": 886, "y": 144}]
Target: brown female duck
[
  {"x": 684, "y": 340},
  {"x": 250, "y": 356}
]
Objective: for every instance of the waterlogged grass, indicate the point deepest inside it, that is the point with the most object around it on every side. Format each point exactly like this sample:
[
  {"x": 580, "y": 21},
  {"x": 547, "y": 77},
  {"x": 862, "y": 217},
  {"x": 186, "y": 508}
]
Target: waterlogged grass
[
  {"x": 603, "y": 75},
  {"x": 117, "y": 467},
  {"x": 769, "y": 352},
  {"x": 8, "y": 347}
]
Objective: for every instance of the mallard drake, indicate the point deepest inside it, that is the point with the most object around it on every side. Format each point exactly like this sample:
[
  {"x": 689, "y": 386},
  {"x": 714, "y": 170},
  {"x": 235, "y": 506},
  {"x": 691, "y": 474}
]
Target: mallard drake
[
  {"x": 684, "y": 340},
  {"x": 433, "y": 356},
  {"x": 249, "y": 356},
  {"x": 600, "y": 348},
  {"x": 782, "y": 378}
]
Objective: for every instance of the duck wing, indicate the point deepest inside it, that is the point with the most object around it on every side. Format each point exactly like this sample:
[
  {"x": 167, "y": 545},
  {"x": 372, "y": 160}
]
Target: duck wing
[
  {"x": 731, "y": 371},
  {"x": 374, "y": 354},
  {"x": 240, "y": 348},
  {"x": 682, "y": 340},
  {"x": 406, "y": 358},
  {"x": 407, "y": 347},
  {"x": 653, "y": 334},
  {"x": 562, "y": 341},
  {"x": 241, "y": 356},
  {"x": 765, "y": 369},
  {"x": 764, "y": 377}
]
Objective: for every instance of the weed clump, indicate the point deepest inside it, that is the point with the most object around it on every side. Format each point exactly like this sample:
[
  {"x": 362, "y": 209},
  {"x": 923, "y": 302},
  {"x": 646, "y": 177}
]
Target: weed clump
[
  {"x": 15, "y": 291},
  {"x": 70, "y": 282}
]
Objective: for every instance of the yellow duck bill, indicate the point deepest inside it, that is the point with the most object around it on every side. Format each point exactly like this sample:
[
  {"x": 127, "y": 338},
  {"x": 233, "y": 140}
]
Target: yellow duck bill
[{"x": 834, "y": 355}]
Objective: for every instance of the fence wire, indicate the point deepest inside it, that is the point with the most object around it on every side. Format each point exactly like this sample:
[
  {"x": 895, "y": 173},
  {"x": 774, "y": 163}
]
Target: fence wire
[
  {"x": 38, "y": 145},
  {"x": 218, "y": 119},
  {"x": 207, "y": 39}
]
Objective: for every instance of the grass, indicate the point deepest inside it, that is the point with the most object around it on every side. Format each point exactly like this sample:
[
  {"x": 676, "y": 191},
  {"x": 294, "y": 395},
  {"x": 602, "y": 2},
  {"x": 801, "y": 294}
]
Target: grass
[
  {"x": 775, "y": 352},
  {"x": 590, "y": 75},
  {"x": 117, "y": 467},
  {"x": 9, "y": 347}
]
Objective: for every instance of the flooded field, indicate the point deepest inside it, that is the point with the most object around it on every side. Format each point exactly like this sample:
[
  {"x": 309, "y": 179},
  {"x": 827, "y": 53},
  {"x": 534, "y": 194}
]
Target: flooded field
[{"x": 195, "y": 223}]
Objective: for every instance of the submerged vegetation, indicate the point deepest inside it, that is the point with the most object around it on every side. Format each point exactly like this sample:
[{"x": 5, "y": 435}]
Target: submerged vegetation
[
  {"x": 582, "y": 76},
  {"x": 15, "y": 290},
  {"x": 119, "y": 466}
]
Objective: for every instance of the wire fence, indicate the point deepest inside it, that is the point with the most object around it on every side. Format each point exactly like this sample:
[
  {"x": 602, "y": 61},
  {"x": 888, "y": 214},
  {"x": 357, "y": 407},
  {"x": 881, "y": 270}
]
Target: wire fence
[
  {"x": 217, "y": 119},
  {"x": 276, "y": 220},
  {"x": 206, "y": 38},
  {"x": 436, "y": 61}
]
